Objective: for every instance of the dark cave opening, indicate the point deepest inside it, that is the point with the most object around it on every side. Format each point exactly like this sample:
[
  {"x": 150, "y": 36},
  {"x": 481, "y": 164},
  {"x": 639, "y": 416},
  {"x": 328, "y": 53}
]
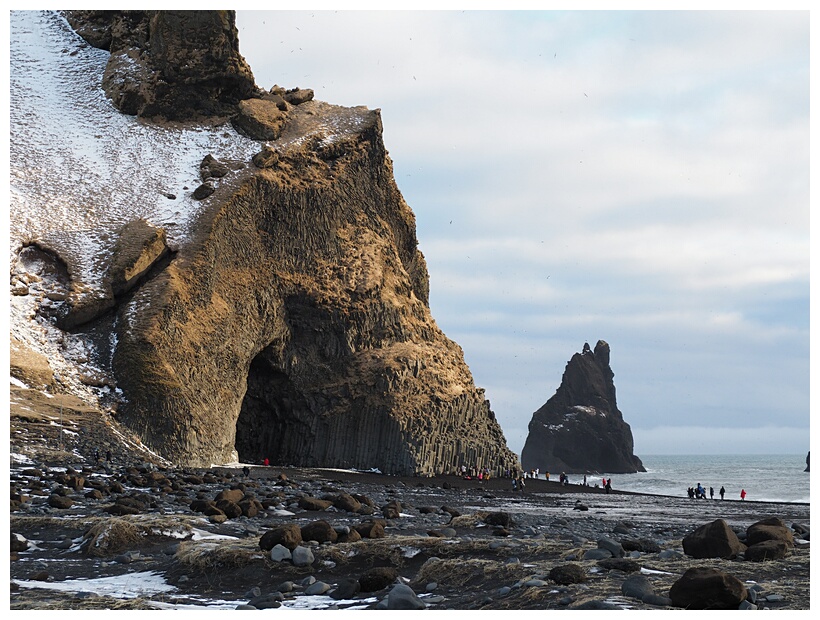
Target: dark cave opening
[{"x": 270, "y": 423}]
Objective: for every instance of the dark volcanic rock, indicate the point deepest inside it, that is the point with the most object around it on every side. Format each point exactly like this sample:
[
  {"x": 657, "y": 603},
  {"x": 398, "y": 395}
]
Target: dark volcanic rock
[
  {"x": 378, "y": 578},
  {"x": 767, "y": 550},
  {"x": 707, "y": 588},
  {"x": 289, "y": 536},
  {"x": 580, "y": 428},
  {"x": 171, "y": 64},
  {"x": 713, "y": 540}
]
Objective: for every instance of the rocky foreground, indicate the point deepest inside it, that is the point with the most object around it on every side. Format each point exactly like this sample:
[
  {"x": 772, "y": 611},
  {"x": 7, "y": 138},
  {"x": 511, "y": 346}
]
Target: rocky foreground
[{"x": 310, "y": 538}]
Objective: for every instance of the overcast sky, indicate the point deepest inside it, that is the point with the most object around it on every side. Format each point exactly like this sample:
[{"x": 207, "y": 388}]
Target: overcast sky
[{"x": 636, "y": 177}]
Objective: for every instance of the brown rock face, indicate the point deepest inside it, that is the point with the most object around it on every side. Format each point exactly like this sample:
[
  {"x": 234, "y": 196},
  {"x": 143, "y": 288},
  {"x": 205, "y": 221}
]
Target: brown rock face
[
  {"x": 580, "y": 429},
  {"x": 713, "y": 540},
  {"x": 171, "y": 64},
  {"x": 295, "y": 325}
]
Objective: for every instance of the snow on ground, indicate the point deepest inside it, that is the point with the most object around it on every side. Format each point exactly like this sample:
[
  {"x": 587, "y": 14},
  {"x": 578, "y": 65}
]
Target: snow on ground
[{"x": 130, "y": 585}]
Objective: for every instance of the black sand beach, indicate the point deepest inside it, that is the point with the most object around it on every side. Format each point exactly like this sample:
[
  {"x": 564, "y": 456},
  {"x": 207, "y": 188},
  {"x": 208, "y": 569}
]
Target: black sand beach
[{"x": 457, "y": 544}]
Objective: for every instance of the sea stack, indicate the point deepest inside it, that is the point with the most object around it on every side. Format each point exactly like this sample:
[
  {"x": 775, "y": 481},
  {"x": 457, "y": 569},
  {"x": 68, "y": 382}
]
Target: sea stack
[{"x": 580, "y": 429}]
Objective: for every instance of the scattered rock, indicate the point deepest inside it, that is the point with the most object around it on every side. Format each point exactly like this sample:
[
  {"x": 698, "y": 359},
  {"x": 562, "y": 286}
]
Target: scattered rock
[{"x": 707, "y": 588}]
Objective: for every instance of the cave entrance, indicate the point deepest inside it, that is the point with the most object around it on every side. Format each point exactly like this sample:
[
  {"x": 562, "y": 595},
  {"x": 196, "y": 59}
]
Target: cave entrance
[{"x": 269, "y": 424}]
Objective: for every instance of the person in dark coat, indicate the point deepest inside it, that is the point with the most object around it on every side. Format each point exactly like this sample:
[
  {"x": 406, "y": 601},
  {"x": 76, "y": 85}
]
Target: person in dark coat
[{"x": 722, "y": 492}]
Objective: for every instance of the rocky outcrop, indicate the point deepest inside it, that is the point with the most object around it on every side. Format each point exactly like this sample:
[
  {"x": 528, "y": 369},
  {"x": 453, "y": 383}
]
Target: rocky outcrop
[
  {"x": 293, "y": 322},
  {"x": 580, "y": 429},
  {"x": 170, "y": 64}
]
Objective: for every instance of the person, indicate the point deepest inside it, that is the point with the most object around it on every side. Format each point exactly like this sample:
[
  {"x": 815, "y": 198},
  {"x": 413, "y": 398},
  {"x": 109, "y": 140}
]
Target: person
[
  {"x": 742, "y": 493},
  {"x": 96, "y": 455},
  {"x": 585, "y": 479},
  {"x": 608, "y": 485},
  {"x": 700, "y": 492},
  {"x": 722, "y": 491},
  {"x": 521, "y": 483},
  {"x": 266, "y": 462},
  {"x": 515, "y": 484},
  {"x": 547, "y": 476},
  {"x": 247, "y": 471},
  {"x": 711, "y": 492},
  {"x": 108, "y": 455},
  {"x": 690, "y": 492}
]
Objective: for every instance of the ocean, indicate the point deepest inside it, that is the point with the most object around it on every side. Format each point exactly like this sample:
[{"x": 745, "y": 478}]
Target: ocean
[{"x": 765, "y": 477}]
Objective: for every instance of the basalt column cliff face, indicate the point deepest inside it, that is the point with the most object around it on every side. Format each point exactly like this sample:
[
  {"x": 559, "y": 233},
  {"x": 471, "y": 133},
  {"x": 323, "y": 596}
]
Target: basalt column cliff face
[
  {"x": 294, "y": 325},
  {"x": 580, "y": 429}
]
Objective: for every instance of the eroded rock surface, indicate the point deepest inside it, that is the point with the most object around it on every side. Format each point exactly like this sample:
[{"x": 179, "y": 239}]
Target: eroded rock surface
[
  {"x": 580, "y": 429},
  {"x": 296, "y": 327}
]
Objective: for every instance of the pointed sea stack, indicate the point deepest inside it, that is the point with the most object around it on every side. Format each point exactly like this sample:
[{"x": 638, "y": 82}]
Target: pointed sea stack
[{"x": 580, "y": 429}]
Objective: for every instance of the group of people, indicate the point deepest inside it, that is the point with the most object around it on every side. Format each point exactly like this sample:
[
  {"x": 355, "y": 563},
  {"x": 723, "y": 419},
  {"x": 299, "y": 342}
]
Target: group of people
[
  {"x": 474, "y": 472},
  {"x": 699, "y": 492}
]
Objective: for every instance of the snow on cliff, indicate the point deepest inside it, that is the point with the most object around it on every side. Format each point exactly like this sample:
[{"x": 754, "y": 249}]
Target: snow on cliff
[{"x": 79, "y": 170}]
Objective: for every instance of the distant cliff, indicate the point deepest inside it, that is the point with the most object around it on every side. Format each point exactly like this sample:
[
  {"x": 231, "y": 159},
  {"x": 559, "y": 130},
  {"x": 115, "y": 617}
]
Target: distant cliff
[
  {"x": 294, "y": 324},
  {"x": 580, "y": 429}
]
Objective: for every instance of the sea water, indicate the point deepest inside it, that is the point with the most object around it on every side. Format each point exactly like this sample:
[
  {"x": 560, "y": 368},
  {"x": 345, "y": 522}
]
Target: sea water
[{"x": 764, "y": 477}]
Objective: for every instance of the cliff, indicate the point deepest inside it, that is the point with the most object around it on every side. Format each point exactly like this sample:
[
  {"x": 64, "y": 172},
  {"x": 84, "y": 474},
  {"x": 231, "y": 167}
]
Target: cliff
[
  {"x": 580, "y": 429},
  {"x": 287, "y": 317}
]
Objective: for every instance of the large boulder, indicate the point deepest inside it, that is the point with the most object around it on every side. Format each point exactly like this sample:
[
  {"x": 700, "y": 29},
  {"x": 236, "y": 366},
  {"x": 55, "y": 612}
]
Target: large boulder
[
  {"x": 767, "y": 550},
  {"x": 580, "y": 428},
  {"x": 771, "y": 528},
  {"x": 289, "y": 536},
  {"x": 320, "y": 531},
  {"x": 707, "y": 588},
  {"x": 713, "y": 540}
]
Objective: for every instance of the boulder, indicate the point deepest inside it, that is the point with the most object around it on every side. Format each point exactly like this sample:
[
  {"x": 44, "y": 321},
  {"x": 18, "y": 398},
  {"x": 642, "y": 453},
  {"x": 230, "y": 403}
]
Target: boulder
[
  {"x": 613, "y": 546},
  {"x": 302, "y": 556},
  {"x": 320, "y": 531},
  {"x": 769, "y": 529},
  {"x": 370, "y": 529},
  {"x": 767, "y": 550},
  {"x": 232, "y": 495},
  {"x": 707, "y": 588},
  {"x": 345, "y": 589},
  {"x": 314, "y": 503},
  {"x": 259, "y": 119},
  {"x": 289, "y": 536},
  {"x": 713, "y": 540},
  {"x": 60, "y": 502},
  {"x": 403, "y": 597},
  {"x": 18, "y": 543},
  {"x": 211, "y": 168},
  {"x": 378, "y": 578},
  {"x": 345, "y": 501},
  {"x": 140, "y": 245},
  {"x": 566, "y": 574},
  {"x": 580, "y": 429},
  {"x": 232, "y": 510},
  {"x": 391, "y": 510},
  {"x": 501, "y": 519}
]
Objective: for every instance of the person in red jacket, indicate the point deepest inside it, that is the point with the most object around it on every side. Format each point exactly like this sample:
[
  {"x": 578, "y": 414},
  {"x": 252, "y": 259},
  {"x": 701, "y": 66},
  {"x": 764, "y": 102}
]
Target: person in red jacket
[{"x": 742, "y": 493}]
